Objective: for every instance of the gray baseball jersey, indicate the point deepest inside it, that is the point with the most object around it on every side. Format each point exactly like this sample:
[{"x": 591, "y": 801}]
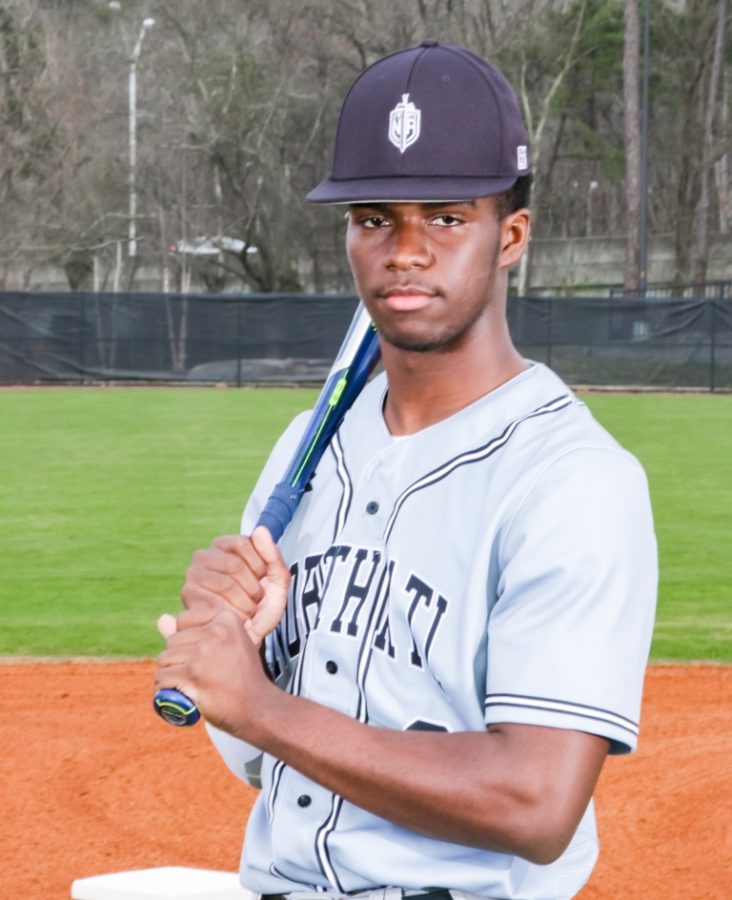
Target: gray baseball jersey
[{"x": 499, "y": 566}]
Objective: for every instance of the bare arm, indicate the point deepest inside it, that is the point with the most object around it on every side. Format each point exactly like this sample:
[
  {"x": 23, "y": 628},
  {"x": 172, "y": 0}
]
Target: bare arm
[{"x": 515, "y": 788}]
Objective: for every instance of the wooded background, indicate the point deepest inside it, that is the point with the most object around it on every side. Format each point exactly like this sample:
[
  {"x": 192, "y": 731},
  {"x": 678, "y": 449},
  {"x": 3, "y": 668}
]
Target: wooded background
[{"x": 237, "y": 102}]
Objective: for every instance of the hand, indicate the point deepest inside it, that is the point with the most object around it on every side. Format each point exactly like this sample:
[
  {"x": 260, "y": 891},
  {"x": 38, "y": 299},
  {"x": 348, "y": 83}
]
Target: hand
[
  {"x": 246, "y": 574},
  {"x": 212, "y": 660}
]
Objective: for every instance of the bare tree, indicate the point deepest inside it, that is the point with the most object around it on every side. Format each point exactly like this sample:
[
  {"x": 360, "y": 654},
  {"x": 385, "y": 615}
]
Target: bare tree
[
  {"x": 631, "y": 56},
  {"x": 239, "y": 101},
  {"x": 537, "y": 115},
  {"x": 721, "y": 166},
  {"x": 707, "y": 161}
]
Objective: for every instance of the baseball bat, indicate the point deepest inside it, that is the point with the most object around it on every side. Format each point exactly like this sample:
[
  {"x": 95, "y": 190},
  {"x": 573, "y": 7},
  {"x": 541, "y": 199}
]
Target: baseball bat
[{"x": 355, "y": 361}]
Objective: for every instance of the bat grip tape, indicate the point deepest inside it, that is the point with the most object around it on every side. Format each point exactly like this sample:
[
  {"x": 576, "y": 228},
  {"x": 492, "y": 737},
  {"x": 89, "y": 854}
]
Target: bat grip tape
[{"x": 279, "y": 508}]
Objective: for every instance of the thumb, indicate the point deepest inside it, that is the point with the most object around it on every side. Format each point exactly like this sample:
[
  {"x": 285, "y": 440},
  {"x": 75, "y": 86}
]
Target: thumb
[
  {"x": 167, "y": 626},
  {"x": 278, "y": 574},
  {"x": 276, "y": 583}
]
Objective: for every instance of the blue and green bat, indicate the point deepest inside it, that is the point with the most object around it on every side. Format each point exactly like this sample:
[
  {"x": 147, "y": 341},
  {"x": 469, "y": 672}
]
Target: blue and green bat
[{"x": 355, "y": 361}]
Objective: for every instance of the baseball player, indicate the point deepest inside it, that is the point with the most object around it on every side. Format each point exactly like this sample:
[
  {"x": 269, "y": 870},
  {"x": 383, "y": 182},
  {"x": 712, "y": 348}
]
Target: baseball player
[{"x": 426, "y": 675}]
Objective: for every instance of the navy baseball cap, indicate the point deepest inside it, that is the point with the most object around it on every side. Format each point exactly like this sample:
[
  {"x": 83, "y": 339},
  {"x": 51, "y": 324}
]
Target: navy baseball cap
[{"x": 429, "y": 123}]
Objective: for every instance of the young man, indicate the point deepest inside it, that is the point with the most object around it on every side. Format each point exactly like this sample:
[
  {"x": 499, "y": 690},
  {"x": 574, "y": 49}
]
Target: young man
[{"x": 469, "y": 587}]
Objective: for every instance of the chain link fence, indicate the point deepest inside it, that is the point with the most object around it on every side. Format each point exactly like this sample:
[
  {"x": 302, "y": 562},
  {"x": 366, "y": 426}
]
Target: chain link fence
[{"x": 651, "y": 341}]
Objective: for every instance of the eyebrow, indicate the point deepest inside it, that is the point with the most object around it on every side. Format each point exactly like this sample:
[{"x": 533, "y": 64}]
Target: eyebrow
[{"x": 427, "y": 204}]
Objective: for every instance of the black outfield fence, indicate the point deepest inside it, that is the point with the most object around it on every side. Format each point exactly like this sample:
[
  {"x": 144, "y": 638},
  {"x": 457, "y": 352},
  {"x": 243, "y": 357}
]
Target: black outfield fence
[
  {"x": 652, "y": 342},
  {"x": 629, "y": 342}
]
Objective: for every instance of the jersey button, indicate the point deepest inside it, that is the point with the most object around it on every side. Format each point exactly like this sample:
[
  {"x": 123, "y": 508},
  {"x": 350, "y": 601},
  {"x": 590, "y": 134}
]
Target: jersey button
[
  {"x": 372, "y": 507},
  {"x": 331, "y": 667},
  {"x": 304, "y": 800}
]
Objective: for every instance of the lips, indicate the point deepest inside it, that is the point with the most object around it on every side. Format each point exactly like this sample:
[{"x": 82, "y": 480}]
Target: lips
[{"x": 408, "y": 298}]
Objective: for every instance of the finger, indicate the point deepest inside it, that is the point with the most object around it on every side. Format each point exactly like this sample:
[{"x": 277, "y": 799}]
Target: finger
[
  {"x": 257, "y": 630},
  {"x": 232, "y": 581},
  {"x": 167, "y": 625},
  {"x": 266, "y": 618},
  {"x": 229, "y": 575},
  {"x": 176, "y": 677},
  {"x": 277, "y": 571},
  {"x": 276, "y": 584},
  {"x": 240, "y": 545},
  {"x": 190, "y": 619},
  {"x": 216, "y": 595}
]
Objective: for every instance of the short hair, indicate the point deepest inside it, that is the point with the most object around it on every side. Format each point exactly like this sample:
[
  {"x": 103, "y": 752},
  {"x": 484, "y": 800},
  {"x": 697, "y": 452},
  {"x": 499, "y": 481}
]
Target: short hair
[{"x": 516, "y": 197}]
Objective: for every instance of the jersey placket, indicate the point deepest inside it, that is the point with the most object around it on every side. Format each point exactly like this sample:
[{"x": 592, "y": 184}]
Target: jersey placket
[{"x": 332, "y": 668}]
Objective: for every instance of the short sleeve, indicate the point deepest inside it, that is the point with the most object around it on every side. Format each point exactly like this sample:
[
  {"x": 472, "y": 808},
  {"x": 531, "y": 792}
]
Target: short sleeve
[
  {"x": 242, "y": 759},
  {"x": 569, "y": 634}
]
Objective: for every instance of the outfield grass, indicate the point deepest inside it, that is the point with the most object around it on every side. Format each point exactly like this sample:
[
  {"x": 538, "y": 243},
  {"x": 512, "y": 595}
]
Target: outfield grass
[
  {"x": 685, "y": 445},
  {"x": 106, "y": 492}
]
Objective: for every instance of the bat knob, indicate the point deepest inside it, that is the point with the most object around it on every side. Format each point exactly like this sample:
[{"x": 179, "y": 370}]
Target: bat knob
[{"x": 175, "y": 707}]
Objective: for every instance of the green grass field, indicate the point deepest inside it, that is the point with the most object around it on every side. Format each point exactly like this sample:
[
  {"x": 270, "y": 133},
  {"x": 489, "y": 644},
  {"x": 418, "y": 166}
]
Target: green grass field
[{"x": 106, "y": 492}]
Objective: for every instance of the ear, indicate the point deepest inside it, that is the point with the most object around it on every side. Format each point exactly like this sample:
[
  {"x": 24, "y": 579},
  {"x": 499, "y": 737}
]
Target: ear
[{"x": 515, "y": 233}]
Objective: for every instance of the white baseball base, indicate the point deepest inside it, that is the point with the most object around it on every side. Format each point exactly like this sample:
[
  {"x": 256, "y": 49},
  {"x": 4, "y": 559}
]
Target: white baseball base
[{"x": 165, "y": 883}]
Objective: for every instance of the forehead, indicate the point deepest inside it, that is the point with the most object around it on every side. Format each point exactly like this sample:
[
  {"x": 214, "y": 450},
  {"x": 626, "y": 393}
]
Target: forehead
[
  {"x": 478, "y": 208},
  {"x": 429, "y": 206}
]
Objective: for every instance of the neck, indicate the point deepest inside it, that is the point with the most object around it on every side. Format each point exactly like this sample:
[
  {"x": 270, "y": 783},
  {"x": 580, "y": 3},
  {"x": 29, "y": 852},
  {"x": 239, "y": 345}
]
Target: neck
[{"x": 425, "y": 388}]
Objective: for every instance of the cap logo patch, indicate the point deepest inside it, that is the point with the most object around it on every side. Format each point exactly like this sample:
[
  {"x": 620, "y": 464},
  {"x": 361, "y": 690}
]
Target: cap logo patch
[
  {"x": 404, "y": 124},
  {"x": 522, "y": 158}
]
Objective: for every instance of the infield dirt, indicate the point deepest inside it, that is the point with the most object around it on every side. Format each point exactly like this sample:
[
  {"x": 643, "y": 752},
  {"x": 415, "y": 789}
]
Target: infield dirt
[{"x": 93, "y": 782}]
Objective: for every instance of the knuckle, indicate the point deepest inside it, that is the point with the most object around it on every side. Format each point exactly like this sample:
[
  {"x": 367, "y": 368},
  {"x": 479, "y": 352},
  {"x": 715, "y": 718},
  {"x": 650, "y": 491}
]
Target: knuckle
[
  {"x": 226, "y": 541},
  {"x": 221, "y": 633},
  {"x": 192, "y": 597},
  {"x": 230, "y": 563},
  {"x": 198, "y": 558},
  {"x": 259, "y": 569},
  {"x": 194, "y": 669},
  {"x": 226, "y": 585}
]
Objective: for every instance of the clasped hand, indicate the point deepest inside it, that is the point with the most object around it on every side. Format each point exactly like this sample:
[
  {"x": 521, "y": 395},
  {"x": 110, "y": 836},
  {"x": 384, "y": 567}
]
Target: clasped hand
[{"x": 234, "y": 594}]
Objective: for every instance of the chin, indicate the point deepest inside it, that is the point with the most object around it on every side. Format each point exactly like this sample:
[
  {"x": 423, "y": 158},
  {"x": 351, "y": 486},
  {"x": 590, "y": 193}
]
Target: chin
[
  {"x": 419, "y": 343},
  {"x": 414, "y": 345}
]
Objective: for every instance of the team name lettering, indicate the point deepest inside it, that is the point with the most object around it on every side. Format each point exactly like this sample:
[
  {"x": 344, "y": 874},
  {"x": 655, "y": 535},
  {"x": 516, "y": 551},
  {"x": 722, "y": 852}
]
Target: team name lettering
[
  {"x": 310, "y": 578},
  {"x": 356, "y": 584},
  {"x": 356, "y": 593},
  {"x": 382, "y": 639},
  {"x": 422, "y": 596}
]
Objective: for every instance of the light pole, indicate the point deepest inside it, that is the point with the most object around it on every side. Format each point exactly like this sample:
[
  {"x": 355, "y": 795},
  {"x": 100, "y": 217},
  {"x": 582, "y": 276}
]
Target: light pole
[
  {"x": 643, "y": 223},
  {"x": 132, "y": 93}
]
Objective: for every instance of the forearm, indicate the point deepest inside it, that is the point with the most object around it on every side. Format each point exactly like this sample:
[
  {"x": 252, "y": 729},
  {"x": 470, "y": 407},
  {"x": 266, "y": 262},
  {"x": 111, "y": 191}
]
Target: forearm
[
  {"x": 469, "y": 788},
  {"x": 520, "y": 789}
]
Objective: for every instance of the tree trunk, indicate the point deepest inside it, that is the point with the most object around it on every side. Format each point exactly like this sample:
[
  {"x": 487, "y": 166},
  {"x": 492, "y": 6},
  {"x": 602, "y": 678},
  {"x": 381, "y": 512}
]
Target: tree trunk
[
  {"x": 721, "y": 167},
  {"x": 535, "y": 129},
  {"x": 702, "y": 210},
  {"x": 631, "y": 57}
]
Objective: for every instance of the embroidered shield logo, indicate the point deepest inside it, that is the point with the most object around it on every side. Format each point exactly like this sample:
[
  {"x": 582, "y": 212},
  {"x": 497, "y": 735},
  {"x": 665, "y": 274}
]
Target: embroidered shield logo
[{"x": 404, "y": 122}]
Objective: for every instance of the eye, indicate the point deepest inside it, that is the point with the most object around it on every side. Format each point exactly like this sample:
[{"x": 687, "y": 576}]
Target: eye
[
  {"x": 372, "y": 222},
  {"x": 447, "y": 220}
]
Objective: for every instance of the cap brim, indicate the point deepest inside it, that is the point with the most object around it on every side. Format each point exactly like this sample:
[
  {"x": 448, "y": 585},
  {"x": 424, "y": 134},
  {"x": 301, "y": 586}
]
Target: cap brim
[{"x": 408, "y": 190}]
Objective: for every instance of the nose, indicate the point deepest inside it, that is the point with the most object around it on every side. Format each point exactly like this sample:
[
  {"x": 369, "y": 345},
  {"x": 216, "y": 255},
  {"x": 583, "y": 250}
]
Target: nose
[{"x": 408, "y": 247}]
